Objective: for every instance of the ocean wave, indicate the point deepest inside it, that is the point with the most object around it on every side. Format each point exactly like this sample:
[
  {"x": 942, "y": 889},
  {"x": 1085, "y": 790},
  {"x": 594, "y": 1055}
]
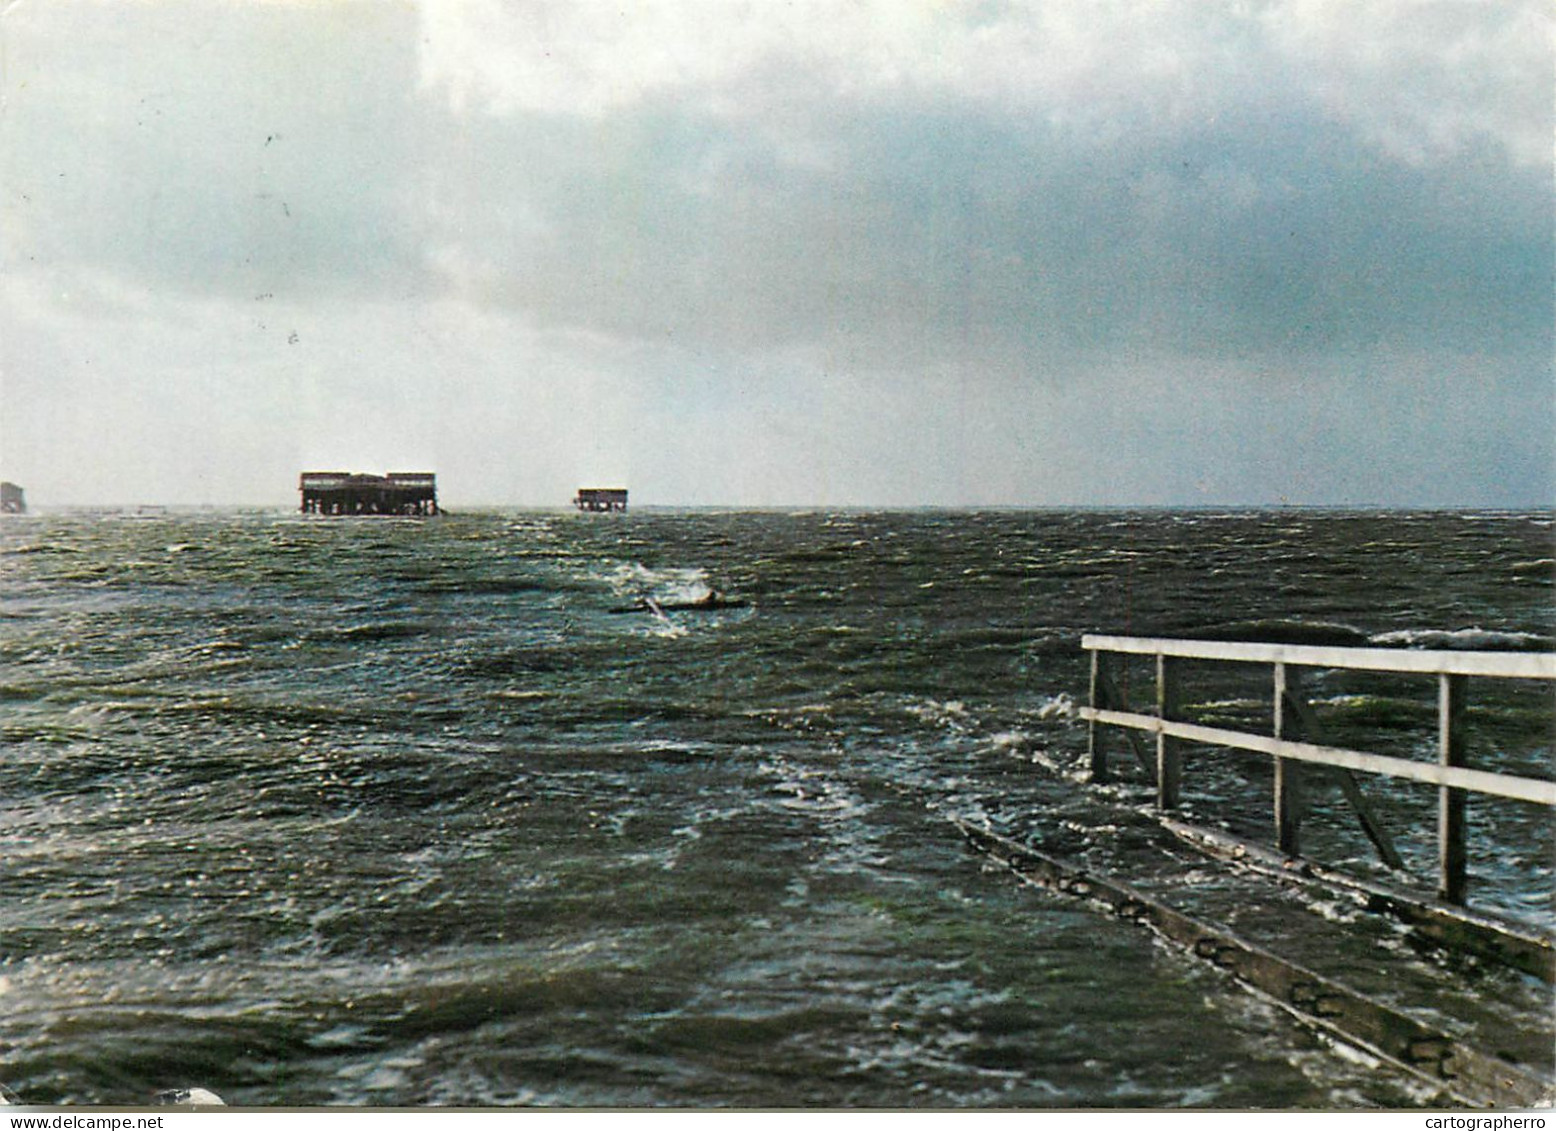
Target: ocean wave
[
  {"x": 673, "y": 584},
  {"x": 343, "y": 812},
  {"x": 1282, "y": 632},
  {"x": 1462, "y": 639},
  {"x": 43, "y": 548}
]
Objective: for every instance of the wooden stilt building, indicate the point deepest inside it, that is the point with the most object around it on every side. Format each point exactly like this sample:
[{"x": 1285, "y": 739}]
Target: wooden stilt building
[
  {"x": 12, "y": 500},
  {"x": 601, "y": 499},
  {"x": 349, "y": 493}
]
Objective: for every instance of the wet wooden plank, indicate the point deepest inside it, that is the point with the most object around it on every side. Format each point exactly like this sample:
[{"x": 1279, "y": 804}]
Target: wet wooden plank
[
  {"x": 1520, "y": 946},
  {"x": 1460, "y": 1071}
]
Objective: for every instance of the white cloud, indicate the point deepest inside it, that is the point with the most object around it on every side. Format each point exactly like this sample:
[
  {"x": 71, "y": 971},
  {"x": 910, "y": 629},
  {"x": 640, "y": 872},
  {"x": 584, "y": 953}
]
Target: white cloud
[
  {"x": 565, "y": 56},
  {"x": 1425, "y": 78},
  {"x": 1419, "y": 79}
]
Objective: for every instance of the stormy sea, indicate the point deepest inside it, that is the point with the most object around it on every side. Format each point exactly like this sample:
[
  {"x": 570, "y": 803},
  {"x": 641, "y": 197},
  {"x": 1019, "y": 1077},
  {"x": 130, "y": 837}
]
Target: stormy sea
[{"x": 659, "y": 809}]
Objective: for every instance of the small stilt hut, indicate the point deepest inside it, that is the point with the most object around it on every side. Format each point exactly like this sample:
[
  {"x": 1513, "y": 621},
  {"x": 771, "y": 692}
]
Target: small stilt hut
[
  {"x": 601, "y": 499},
  {"x": 349, "y": 493}
]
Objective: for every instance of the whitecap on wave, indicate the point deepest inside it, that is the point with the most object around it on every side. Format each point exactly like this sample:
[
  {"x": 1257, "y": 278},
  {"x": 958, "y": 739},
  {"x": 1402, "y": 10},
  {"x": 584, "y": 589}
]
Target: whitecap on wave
[
  {"x": 1466, "y": 639},
  {"x": 664, "y": 585}
]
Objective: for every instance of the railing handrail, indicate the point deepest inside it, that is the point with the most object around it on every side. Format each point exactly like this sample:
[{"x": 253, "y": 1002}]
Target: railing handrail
[
  {"x": 1488, "y": 782},
  {"x": 1511, "y": 665}
]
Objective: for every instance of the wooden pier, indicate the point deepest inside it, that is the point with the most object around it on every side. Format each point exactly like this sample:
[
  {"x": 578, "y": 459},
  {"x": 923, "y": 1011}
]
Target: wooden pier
[
  {"x": 350, "y": 493},
  {"x": 12, "y": 500},
  {"x": 600, "y": 500},
  {"x": 1492, "y": 1060},
  {"x": 1453, "y": 778}
]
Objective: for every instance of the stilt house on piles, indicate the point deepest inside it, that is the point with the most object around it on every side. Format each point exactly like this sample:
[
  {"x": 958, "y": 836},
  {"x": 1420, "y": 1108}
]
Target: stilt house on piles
[{"x": 349, "y": 493}]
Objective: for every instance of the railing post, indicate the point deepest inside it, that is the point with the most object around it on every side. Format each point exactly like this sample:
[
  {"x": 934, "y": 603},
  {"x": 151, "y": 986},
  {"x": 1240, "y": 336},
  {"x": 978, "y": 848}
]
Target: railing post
[
  {"x": 1288, "y": 801},
  {"x": 1094, "y": 738},
  {"x": 1451, "y": 749},
  {"x": 1168, "y": 762}
]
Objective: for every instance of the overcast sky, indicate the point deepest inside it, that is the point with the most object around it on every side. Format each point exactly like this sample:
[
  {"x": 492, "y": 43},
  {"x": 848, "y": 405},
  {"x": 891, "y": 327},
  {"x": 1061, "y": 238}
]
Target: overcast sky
[{"x": 823, "y": 252}]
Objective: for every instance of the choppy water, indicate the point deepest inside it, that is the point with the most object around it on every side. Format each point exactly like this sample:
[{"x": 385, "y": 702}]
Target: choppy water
[{"x": 400, "y": 812}]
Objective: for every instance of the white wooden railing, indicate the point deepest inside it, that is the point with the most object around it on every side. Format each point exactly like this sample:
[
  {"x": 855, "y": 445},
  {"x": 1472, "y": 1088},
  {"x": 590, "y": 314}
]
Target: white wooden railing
[{"x": 1449, "y": 773}]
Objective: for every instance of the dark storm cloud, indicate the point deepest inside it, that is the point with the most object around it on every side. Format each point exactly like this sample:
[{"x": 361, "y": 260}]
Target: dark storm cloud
[
  {"x": 286, "y": 147},
  {"x": 930, "y": 225}
]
